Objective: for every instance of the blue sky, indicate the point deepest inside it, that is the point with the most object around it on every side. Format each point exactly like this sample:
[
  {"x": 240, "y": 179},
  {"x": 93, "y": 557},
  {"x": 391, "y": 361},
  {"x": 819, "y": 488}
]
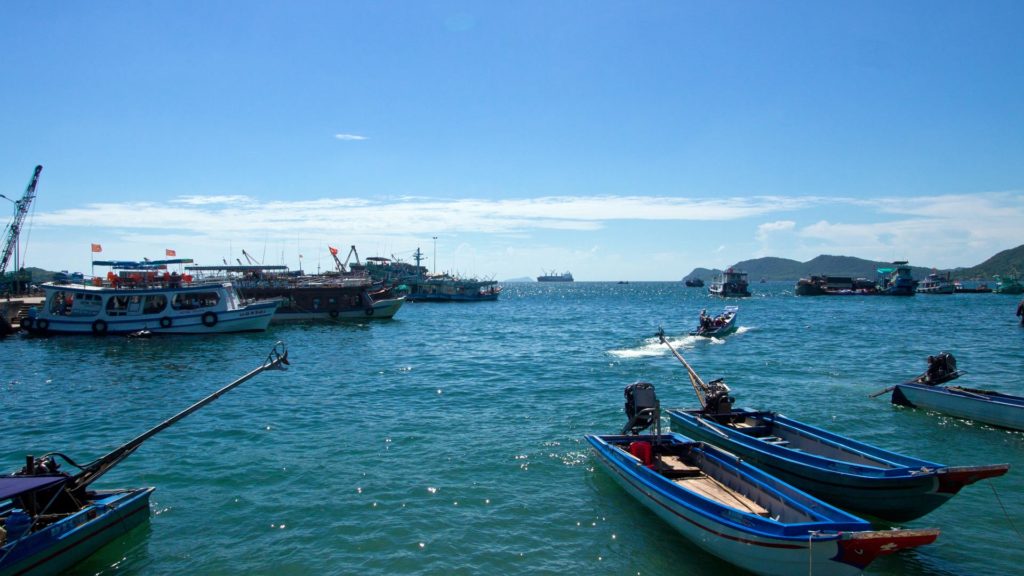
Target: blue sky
[{"x": 619, "y": 140}]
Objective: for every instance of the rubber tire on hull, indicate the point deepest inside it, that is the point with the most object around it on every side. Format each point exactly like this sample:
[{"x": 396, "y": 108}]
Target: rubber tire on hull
[
  {"x": 210, "y": 319},
  {"x": 166, "y": 322},
  {"x": 99, "y": 327}
]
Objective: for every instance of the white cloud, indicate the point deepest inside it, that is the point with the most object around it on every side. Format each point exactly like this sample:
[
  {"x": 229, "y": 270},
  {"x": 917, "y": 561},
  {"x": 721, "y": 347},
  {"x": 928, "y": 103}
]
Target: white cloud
[
  {"x": 943, "y": 231},
  {"x": 350, "y": 137}
]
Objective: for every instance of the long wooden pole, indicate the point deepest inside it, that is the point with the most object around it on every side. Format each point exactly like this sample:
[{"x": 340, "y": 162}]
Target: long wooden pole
[
  {"x": 694, "y": 377},
  {"x": 92, "y": 471}
]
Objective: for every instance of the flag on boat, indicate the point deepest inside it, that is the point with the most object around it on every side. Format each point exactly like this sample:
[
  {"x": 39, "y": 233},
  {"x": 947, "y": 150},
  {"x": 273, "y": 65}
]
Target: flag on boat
[
  {"x": 97, "y": 248},
  {"x": 334, "y": 251},
  {"x": 169, "y": 252}
]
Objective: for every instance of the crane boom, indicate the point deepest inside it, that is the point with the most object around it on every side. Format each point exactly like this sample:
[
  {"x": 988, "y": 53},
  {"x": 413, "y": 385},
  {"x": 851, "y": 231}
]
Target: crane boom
[{"x": 20, "y": 211}]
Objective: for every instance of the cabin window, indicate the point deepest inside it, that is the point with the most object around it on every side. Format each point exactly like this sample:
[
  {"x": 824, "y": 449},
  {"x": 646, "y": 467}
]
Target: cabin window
[
  {"x": 195, "y": 300},
  {"x": 61, "y": 303},
  {"x": 86, "y": 304},
  {"x": 154, "y": 304},
  {"x": 117, "y": 306}
]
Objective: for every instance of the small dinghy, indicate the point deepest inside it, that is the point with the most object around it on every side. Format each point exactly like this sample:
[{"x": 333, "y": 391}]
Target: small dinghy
[
  {"x": 51, "y": 520},
  {"x": 847, "y": 473},
  {"x": 717, "y": 326},
  {"x": 987, "y": 406},
  {"x": 733, "y": 510}
]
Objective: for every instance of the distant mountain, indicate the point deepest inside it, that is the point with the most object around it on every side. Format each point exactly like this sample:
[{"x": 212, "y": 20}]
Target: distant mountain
[{"x": 1007, "y": 262}]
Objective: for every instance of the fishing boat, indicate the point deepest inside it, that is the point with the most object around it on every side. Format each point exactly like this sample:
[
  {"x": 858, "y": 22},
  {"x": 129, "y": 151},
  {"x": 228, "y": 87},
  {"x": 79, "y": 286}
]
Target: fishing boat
[
  {"x": 731, "y": 509},
  {"x": 144, "y": 296},
  {"x": 987, "y": 406},
  {"x": 553, "y": 277},
  {"x": 305, "y": 298},
  {"x": 718, "y": 326},
  {"x": 419, "y": 285},
  {"x": 694, "y": 282},
  {"x": 52, "y": 519},
  {"x": 897, "y": 280},
  {"x": 730, "y": 283},
  {"x": 853, "y": 475},
  {"x": 833, "y": 286},
  {"x": 1008, "y": 285},
  {"x": 936, "y": 284}
]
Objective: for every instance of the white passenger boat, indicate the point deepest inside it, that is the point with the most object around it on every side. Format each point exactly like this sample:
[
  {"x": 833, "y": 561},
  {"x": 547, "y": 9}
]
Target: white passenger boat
[{"x": 147, "y": 298}]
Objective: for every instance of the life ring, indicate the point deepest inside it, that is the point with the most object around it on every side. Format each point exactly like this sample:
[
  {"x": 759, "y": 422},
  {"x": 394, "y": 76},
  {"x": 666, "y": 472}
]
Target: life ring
[
  {"x": 166, "y": 322},
  {"x": 99, "y": 327},
  {"x": 369, "y": 311},
  {"x": 334, "y": 314},
  {"x": 42, "y": 324},
  {"x": 210, "y": 319}
]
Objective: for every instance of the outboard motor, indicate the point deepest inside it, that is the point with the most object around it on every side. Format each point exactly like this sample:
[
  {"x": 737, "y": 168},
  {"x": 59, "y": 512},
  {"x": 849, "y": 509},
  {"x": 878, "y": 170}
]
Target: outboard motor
[
  {"x": 948, "y": 361},
  {"x": 716, "y": 398},
  {"x": 641, "y": 407}
]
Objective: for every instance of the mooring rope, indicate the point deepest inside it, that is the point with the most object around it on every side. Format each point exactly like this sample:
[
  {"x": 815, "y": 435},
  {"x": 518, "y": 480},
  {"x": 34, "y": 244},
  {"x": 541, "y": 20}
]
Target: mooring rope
[{"x": 1005, "y": 513}]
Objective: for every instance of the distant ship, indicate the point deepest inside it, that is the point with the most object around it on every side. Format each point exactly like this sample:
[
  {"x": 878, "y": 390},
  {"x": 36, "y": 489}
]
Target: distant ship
[
  {"x": 552, "y": 277},
  {"x": 694, "y": 282}
]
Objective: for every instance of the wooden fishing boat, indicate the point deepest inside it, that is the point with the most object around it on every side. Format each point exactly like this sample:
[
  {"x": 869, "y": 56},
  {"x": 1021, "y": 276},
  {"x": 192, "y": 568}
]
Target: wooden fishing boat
[
  {"x": 736, "y": 512},
  {"x": 987, "y": 406},
  {"x": 719, "y": 326},
  {"x": 853, "y": 475},
  {"x": 52, "y": 519},
  {"x": 145, "y": 297}
]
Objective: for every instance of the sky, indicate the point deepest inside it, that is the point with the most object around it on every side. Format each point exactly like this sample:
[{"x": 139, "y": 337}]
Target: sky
[{"x": 618, "y": 140}]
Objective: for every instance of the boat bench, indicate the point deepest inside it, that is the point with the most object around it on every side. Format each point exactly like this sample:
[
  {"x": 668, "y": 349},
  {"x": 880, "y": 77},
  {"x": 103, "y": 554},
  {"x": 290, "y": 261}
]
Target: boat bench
[
  {"x": 775, "y": 440},
  {"x": 673, "y": 467}
]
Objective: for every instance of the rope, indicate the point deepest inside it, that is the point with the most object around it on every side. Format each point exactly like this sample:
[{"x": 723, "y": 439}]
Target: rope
[{"x": 1005, "y": 513}]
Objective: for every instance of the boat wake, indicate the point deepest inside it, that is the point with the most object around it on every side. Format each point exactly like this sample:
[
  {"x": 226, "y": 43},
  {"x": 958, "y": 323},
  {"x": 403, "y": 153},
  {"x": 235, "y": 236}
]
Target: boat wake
[{"x": 653, "y": 347}]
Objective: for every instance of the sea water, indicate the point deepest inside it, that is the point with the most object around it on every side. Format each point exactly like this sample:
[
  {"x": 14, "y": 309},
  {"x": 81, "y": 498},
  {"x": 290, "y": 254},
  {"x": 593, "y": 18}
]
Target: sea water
[{"x": 450, "y": 439}]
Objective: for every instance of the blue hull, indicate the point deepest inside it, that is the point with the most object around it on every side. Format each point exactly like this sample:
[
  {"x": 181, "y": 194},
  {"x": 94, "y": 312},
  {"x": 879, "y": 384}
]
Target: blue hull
[
  {"x": 68, "y": 541},
  {"x": 743, "y": 515},
  {"x": 855, "y": 476},
  {"x": 996, "y": 409}
]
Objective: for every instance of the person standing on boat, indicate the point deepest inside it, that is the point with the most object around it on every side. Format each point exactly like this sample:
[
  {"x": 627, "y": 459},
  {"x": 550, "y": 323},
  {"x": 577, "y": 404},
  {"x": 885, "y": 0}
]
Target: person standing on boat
[{"x": 1020, "y": 312}]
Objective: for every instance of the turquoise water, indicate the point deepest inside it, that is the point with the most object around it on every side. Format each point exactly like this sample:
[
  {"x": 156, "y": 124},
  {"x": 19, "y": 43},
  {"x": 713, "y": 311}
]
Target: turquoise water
[{"x": 449, "y": 440}]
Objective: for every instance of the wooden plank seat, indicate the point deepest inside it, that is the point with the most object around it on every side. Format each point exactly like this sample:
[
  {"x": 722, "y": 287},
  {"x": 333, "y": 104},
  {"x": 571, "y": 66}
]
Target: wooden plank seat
[{"x": 671, "y": 466}]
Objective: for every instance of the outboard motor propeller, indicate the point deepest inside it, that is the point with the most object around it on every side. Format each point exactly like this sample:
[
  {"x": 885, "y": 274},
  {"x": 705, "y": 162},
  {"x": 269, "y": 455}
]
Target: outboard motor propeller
[{"x": 642, "y": 407}]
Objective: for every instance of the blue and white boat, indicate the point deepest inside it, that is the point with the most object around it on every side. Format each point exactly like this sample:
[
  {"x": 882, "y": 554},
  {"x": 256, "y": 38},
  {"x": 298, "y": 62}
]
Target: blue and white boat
[
  {"x": 730, "y": 284},
  {"x": 853, "y": 475},
  {"x": 144, "y": 296},
  {"x": 736, "y": 512},
  {"x": 717, "y": 326},
  {"x": 896, "y": 281},
  {"x": 986, "y": 406},
  {"x": 52, "y": 520}
]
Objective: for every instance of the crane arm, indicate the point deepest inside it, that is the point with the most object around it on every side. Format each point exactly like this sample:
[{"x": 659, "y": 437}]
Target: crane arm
[{"x": 20, "y": 211}]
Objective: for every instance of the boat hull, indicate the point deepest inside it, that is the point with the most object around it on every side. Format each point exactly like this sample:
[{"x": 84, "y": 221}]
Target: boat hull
[
  {"x": 251, "y": 318},
  {"x": 61, "y": 545},
  {"x": 829, "y": 542},
  {"x": 855, "y": 476},
  {"x": 1002, "y": 410},
  {"x": 380, "y": 310}
]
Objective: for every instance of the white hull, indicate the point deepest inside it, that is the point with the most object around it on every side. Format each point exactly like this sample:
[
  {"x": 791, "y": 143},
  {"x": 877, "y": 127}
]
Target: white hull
[
  {"x": 179, "y": 310},
  {"x": 980, "y": 409}
]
